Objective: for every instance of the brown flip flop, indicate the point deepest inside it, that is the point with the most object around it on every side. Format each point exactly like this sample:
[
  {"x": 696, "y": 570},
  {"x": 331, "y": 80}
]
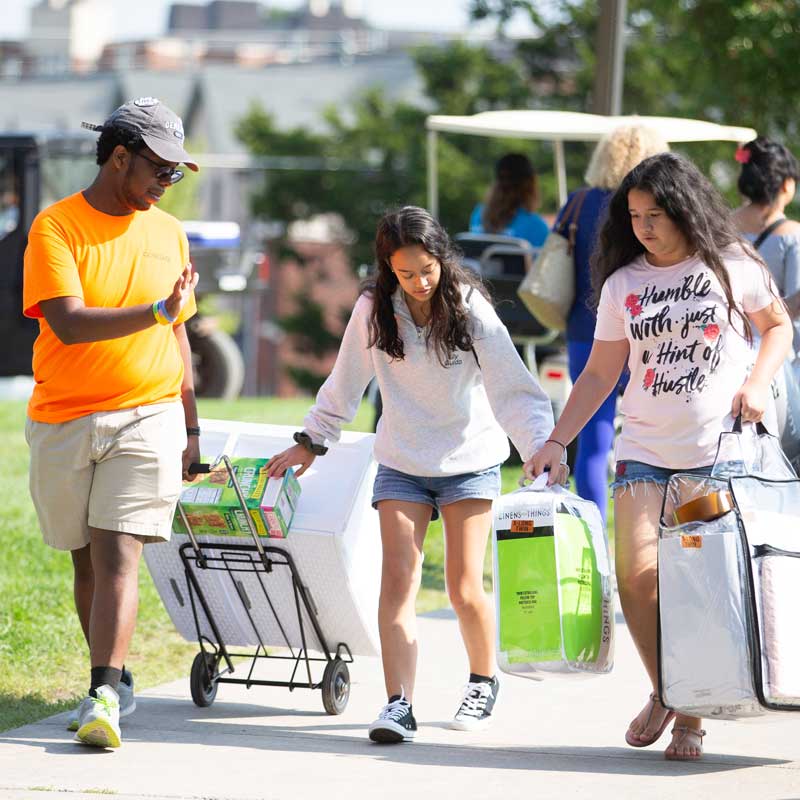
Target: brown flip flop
[{"x": 639, "y": 742}]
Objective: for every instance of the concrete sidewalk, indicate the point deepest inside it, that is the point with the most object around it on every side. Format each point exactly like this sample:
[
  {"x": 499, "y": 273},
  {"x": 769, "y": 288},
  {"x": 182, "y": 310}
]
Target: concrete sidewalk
[{"x": 560, "y": 738}]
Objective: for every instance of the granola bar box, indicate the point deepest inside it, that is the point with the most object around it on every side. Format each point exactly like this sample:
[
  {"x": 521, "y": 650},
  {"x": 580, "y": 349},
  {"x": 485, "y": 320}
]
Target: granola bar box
[{"x": 213, "y": 509}]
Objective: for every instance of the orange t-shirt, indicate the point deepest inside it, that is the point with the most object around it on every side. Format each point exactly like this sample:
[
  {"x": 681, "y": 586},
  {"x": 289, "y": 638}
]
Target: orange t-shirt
[{"x": 74, "y": 250}]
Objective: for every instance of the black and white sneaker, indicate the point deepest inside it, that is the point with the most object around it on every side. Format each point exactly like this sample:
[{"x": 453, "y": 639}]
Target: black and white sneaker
[
  {"x": 475, "y": 711},
  {"x": 395, "y": 723}
]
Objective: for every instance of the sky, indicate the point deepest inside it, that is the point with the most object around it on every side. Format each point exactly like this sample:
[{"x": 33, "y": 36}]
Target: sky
[{"x": 135, "y": 19}]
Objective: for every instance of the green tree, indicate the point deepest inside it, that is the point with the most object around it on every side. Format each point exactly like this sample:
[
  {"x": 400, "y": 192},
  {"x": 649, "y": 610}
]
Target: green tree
[{"x": 729, "y": 61}]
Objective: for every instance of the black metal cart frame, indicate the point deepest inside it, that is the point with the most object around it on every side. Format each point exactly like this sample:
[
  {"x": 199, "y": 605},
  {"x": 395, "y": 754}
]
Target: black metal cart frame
[{"x": 260, "y": 560}]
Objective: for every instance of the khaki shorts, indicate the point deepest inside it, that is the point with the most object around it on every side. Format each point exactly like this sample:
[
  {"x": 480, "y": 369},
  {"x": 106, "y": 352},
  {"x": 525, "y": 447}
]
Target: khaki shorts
[{"x": 111, "y": 470}]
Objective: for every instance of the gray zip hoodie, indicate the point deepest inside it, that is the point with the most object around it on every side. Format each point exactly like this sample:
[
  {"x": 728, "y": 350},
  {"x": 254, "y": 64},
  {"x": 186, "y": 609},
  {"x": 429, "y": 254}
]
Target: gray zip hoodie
[{"x": 437, "y": 420}]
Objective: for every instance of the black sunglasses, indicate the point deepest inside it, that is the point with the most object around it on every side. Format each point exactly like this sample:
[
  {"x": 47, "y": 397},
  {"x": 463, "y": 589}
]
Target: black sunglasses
[{"x": 163, "y": 172}]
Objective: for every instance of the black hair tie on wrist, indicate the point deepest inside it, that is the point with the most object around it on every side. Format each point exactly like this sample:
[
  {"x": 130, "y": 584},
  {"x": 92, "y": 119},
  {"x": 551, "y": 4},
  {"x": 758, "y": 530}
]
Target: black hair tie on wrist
[
  {"x": 192, "y": 431},
  {"x": 305, "y": 440}
]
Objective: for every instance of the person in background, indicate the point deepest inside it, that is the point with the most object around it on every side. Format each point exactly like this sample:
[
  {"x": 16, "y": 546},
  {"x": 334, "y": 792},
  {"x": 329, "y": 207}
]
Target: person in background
[
  {"x": 768, "y": 181},
  {"x": 453, "y": 389},
  {"x": 680, "y": 299},
  {"x": 9, "y": 209},
  {"x": 615, "y": 155},
  {"x": 112, "y": 422},
  {"x": 510, "y": 207}
]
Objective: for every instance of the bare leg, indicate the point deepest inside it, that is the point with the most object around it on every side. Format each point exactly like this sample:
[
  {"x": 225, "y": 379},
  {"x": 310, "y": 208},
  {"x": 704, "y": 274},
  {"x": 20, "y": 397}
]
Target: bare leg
[
  {"x": 636, "y": 515},
  {"x": 83, "y": 587},
  {"x": 403, "y": 529},
  {"x": 115, "y": 559},
  {"x": 467, "y": 524}
]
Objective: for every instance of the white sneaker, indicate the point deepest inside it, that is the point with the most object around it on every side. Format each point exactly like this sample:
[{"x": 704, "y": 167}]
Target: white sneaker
[
  {"x": 475, "y": 711},
  {"x": 98, "y": 724},
  {"x": 395, "y": 723},
  {"x": 127, "y": 704}
]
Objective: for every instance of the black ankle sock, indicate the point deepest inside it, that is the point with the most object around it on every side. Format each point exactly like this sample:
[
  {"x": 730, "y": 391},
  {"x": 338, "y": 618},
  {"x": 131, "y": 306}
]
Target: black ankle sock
[
  {"x": 397, "y": 697},
  {"x": 475, "y": 678},
  {"x": 104, "y": 676},
  {"x": 126, "y": 676}
]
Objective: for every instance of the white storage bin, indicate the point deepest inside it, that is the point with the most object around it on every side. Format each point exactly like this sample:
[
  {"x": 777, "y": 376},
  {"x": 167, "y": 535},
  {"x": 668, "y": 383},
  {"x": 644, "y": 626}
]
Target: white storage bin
[{"x": 334, "y": 541}]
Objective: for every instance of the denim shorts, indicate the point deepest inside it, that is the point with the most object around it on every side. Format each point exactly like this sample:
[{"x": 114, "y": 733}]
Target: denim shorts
[
  {"x": 390, "y": 484},
  {"x": 629, "y": 472}
]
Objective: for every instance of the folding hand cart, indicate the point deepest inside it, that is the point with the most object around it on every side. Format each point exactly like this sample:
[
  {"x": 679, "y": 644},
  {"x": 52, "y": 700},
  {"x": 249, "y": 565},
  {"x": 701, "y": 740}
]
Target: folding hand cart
[{"x": 251, "y": 573}]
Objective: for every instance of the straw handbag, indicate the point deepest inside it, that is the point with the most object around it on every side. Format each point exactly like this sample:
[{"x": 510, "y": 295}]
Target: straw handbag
[{"x": 548, "y": 289}]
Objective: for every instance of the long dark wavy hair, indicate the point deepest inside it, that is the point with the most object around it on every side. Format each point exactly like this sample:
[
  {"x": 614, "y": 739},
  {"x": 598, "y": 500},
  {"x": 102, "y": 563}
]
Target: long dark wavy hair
[
  {"x": 516, "y": 186},
  {"x": 448, "y": 329},
  {"x": 692, "y": 203}
]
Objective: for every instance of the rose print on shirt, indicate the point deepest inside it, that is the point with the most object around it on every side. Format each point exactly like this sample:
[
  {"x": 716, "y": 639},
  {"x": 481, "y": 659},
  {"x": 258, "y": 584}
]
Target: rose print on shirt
[
  {"x": 710, "y": 332},
  {"x": 633, "y": 304},
  {"x": 649, "y": 377}
]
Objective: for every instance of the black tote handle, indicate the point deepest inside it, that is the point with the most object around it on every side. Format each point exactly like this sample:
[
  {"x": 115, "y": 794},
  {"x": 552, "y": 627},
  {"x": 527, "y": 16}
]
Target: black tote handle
[{"x": 761, "y": 429}]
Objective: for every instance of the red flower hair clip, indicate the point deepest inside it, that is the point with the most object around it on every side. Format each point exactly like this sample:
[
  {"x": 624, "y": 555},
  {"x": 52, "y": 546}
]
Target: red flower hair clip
[{"x": 742, "y": 155}]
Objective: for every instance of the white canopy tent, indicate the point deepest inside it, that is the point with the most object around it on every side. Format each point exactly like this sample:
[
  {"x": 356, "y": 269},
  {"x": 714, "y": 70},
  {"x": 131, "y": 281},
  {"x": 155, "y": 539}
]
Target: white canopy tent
[{"x": 564, "y": 126}]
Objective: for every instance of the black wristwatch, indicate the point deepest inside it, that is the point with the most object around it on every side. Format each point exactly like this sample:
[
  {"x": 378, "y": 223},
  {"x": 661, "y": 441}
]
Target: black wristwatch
[
  {"x": 305, "y": 440},
  {"x": 190, "y": 431}
]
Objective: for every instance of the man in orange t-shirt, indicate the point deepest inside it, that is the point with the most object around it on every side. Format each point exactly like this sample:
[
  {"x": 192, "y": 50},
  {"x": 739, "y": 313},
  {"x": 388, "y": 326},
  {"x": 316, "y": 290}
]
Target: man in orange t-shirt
[{"x": 112, "y": 423}]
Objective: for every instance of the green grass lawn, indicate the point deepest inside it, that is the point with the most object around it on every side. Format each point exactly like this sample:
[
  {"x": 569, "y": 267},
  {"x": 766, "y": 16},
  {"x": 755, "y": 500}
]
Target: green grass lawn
[{"x": 43, "y": 657}]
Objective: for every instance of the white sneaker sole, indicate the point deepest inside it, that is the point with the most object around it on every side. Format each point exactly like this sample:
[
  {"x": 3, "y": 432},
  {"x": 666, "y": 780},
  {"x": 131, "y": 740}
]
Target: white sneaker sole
[
  {"x": 388, "y": 732},
  {"x": 98, "y": 733},
  {"x": 470, "y": 725}
]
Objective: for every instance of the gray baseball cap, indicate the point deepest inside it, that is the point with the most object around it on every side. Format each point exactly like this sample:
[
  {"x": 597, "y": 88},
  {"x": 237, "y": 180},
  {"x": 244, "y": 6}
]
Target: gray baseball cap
[{"x": 160, "y": 128}]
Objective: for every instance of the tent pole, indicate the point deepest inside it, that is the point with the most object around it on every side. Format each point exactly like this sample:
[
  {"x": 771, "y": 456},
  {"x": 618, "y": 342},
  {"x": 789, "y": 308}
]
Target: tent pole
[
  {"x": 433, "y": 176},
  {"x": 561, "y": 172}
]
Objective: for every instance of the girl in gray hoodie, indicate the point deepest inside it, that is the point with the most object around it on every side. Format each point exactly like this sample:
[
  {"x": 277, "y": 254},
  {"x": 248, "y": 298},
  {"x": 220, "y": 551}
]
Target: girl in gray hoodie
[{"x": 453, "y": 389}]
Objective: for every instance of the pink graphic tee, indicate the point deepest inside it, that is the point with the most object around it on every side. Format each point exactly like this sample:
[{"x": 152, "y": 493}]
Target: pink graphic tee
[{"x": 686, "y": 360}]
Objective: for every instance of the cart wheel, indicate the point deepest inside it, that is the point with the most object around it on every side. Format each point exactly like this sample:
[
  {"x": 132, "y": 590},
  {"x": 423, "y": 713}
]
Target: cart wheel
[
  {"x": 203, "y": 690},
  {"x": 335, "y": 686}
]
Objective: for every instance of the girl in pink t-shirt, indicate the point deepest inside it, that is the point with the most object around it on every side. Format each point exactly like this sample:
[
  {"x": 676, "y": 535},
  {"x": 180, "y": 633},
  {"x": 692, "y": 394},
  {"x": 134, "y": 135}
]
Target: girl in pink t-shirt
[{"x": 679, "y": 297}]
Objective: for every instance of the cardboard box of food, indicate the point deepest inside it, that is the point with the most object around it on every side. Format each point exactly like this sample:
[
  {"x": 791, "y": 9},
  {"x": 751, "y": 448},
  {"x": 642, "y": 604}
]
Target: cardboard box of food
[{"x": 213, "y": 509}]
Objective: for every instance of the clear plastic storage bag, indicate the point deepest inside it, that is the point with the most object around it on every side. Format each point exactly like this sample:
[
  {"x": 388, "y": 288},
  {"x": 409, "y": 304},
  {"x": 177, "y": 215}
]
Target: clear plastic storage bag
[
  {"x": 552, "y": 582},
  {"x": 705, "y": 630},
  {"x": 729, "y": 583}
]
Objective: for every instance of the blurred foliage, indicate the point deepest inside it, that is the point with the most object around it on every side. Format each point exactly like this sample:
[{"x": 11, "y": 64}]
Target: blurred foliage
[
  {"x": 375, "y": 151},
  {"x": 725, "y": 60},
  {"x": 219, "y": 307},
  {"x": 729, "y": 61}
]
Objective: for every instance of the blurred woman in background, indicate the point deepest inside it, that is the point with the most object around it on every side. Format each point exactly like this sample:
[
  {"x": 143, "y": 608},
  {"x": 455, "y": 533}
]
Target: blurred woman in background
[{"x": 512, "y": 202}]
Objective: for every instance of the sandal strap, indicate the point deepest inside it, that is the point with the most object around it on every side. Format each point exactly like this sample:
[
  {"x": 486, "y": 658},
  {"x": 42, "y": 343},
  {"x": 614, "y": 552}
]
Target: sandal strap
[
  {"x": 685, "y": 730},
  {"x": 653, "y": 700}
]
